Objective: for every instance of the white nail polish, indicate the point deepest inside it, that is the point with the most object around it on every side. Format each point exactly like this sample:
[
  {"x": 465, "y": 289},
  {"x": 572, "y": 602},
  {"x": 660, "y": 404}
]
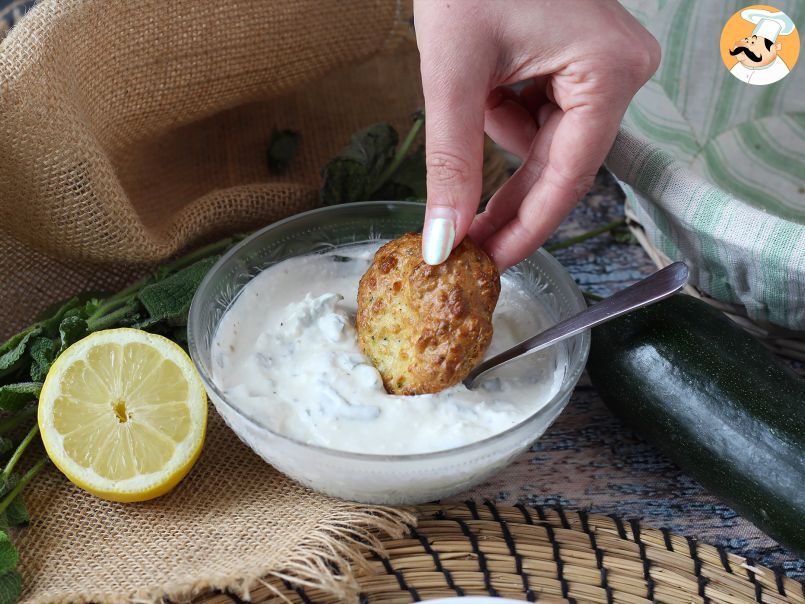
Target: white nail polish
[{"x": 437, "y": 240}]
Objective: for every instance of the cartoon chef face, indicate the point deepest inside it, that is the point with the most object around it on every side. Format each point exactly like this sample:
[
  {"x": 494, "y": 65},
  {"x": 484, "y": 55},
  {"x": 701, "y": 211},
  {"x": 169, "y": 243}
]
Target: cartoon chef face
[{"x": 755, "y": 51}]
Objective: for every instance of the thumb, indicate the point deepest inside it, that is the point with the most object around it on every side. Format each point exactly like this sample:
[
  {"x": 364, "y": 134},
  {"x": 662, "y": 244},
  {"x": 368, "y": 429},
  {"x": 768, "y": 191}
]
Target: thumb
[{"x": 454, "y": 141}]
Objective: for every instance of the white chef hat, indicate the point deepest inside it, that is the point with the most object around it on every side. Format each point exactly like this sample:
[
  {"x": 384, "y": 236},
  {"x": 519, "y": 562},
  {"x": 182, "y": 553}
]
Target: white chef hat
[{"x": 769, "y": 25}]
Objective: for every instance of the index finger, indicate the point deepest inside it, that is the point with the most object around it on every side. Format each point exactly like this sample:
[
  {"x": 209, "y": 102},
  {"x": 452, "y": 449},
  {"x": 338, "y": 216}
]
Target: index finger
[{"x": 454, "y": 135}]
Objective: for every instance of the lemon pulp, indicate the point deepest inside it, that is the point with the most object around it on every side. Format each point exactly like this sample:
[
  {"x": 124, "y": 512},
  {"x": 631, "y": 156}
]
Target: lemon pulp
[{"x": 123, "y": 414}]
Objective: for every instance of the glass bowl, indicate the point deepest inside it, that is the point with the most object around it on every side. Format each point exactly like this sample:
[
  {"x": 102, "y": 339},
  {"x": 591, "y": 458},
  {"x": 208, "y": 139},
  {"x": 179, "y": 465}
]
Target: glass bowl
[{"x": 374, "y": 478}]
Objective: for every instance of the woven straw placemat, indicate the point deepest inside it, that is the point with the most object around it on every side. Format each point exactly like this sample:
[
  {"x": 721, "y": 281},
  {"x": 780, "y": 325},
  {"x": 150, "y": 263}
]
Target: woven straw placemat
[{"x": 547, "y": 555}]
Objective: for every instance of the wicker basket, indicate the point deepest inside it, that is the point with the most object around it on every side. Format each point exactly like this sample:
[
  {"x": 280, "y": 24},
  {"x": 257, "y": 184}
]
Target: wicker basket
[
  {"x": 546, "y": 555},
  {"x": 785, "y": 342}
]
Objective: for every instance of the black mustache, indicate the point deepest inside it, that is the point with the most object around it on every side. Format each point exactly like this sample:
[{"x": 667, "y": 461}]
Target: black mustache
[{"x": 743, "y": 49}]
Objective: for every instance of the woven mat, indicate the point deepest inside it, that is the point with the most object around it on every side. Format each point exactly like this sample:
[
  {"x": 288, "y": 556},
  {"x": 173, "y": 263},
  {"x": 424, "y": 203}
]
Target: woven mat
[{"x": 547, "y": 555}]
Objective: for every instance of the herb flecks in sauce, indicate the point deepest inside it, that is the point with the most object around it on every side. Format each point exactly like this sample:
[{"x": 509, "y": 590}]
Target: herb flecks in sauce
[{"x": 297, "y": 366}]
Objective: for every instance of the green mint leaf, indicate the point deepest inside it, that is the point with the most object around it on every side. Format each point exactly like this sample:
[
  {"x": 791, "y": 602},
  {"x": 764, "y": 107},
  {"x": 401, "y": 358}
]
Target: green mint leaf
[
  {"x": 11, "y": 353},
  {"x": 353, "y": 174},
  {"x": 8, "y": 483},
  {"x": 17, "y": 512},
  {"x": 8, "y": 558},
  {"x": 53, "y": 314},
  {"x": 135, "y": 320},
  {"x": 344, "y": 181},
  {"x": 13, "y": 397},
  {"x": 90, "y": 306},
  {"x": 169, "y": 299},
  {"x": 72, "y": 329},
  {"x": 408, "y": 181},
  {"x": 43, "y": 351},
  {"x": 412, "y": 173},
  {"x": 6, "y": 445},
  {"x": 10, "y": 587},
  {"x": 73, "y": 313},
  {"x": 281, "y": 150},
  {"x": 394, "y": 191},
  {"x": 81, "y": 305}
]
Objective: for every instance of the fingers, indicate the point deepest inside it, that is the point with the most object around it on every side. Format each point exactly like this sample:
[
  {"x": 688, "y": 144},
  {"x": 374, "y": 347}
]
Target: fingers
[
  {"x": 455, "y": 92},
  {"x": 508, "y": 122},
  {"x": 505, "y": 203},
  {"x": 536, "y": 93},
  {"x": 454, "y": 161},
  {"x": 577, "y": 143},
  {"x": 511, "y": 119}
]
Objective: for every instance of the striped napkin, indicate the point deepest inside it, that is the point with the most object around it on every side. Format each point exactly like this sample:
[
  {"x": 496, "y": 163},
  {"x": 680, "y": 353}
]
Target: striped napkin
[{"x": 714, "y": 168}]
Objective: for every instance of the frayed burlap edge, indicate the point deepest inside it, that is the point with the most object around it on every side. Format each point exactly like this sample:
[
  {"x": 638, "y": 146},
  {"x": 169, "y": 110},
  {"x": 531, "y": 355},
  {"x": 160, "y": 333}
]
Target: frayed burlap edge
[{"x": 326, "y": 561}]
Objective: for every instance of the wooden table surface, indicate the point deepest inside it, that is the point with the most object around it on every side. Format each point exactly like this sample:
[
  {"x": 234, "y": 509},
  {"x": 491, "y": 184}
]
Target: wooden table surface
[{"x": 588, "y": 459}]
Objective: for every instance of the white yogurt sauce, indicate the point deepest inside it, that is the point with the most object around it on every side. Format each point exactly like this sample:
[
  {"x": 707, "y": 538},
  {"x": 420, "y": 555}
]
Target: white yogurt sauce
[{"x": 286, "y": 354}]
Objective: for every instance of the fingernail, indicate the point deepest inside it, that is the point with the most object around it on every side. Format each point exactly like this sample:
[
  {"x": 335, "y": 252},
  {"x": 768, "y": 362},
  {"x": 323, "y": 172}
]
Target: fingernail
[{"x": 437, "y": 239}]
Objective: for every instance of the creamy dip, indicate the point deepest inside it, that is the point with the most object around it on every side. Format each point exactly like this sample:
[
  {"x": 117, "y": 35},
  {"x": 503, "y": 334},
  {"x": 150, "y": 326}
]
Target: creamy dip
[{"x": 286, "y": 354}]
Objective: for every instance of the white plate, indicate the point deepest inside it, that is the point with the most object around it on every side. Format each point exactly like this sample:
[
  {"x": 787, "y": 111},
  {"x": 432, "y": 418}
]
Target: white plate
[{"x": 474, "y": 600}]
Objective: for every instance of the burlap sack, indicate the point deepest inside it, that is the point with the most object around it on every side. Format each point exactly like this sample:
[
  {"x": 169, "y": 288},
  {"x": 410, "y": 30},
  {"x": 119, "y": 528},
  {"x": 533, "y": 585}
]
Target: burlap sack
[{"x": 129, "y": 130}]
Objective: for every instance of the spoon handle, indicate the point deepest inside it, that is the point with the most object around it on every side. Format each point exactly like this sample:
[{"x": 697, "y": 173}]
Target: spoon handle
[{"x": 655, "y": 287}]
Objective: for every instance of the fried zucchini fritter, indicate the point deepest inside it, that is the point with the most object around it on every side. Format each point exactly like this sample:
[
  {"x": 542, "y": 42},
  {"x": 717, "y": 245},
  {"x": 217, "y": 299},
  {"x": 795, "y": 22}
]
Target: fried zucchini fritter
[{"x": 425, "y": 327}]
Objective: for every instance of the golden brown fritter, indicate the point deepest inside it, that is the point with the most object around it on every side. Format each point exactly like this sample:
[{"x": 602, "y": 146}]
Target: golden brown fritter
[{"x": 425, "y": 327}]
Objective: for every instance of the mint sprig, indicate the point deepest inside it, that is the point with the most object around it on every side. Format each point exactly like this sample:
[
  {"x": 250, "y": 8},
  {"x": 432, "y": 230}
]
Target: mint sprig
[{"x": 158, "y": 303}]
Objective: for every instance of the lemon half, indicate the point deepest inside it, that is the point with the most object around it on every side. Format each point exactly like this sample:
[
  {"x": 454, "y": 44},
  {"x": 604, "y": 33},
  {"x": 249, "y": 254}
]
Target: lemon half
[{"x": 123, "y": 414}]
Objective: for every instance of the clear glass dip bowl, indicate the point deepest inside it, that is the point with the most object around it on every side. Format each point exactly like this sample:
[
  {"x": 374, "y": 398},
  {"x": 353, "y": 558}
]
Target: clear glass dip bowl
[{"x": 373, "y": 478}]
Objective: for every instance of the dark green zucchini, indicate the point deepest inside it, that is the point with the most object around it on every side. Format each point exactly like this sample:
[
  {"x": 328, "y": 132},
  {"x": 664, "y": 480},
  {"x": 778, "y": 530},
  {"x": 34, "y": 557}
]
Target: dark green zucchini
[{"x": 716, "y": 401}]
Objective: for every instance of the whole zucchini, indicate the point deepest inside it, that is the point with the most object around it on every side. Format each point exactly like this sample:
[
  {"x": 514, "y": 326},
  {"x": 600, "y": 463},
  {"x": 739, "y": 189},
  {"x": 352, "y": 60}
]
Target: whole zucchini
[{"x": 717, "y": 402}]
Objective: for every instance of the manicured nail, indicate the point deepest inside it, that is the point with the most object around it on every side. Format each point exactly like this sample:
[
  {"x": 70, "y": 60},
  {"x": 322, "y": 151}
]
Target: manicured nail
[{"x": 437, "y": 239}]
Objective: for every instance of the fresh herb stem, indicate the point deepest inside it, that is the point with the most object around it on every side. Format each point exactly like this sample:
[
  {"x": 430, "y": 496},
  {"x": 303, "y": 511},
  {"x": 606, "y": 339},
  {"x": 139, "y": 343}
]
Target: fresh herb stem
[
  {"x": 26, "y": 478},
  {"x": 107, "y": 320},
  {"x": 123, "y": 298},
  {"x": 402, "y": 151},
  {"x": 20, "y": 450},
  {"x": 20, "y": 417},
  {"x": 560, "y": 245},
  {"x": 110, "y": 305},
  {"x": 201, "y": 253}
]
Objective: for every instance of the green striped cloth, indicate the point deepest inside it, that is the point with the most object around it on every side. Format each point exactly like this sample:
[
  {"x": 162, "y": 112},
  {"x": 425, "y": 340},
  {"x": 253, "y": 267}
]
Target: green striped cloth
[{"x": 714, "y": 168}]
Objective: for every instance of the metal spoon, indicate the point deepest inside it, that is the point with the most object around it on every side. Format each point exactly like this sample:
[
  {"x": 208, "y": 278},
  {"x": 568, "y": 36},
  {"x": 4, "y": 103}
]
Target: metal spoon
[{"x": 653, "y": 288}]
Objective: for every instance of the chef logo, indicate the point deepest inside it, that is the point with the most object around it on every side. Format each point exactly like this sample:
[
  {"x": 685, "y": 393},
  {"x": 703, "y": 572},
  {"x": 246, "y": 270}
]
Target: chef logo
[{"x": 760, "y": 45}]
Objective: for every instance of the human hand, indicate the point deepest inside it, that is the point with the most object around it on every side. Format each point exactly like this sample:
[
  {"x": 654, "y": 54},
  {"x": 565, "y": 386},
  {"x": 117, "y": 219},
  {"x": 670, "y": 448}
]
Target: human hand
[{"x": 583, "y": 60}]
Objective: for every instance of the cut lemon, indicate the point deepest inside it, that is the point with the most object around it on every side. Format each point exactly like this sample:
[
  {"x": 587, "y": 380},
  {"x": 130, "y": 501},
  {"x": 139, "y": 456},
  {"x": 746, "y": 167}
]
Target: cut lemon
[{"x": 123, "y": 414}]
